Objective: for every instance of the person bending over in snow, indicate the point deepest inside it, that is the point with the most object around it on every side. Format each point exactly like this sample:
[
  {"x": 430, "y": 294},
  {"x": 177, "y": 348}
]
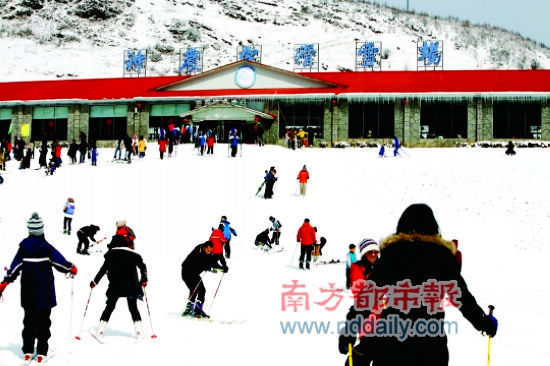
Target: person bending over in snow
[
  {"x": 415, "y": 255},
  {"x": 199, "y": 260},
  {"x": 34, "y": 261},
  {"x": 121, "y": 265},
  {"x": 263, "y": 239},
  {"x": 83, "y": 234}
]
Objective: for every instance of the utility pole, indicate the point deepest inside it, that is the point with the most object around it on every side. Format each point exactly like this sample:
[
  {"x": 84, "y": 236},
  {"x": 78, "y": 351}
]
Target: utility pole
[{"x": 407, "y": 5}]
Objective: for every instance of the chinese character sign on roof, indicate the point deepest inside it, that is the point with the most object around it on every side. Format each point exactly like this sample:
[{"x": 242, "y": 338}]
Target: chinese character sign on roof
[
  {"x": 191, "y": 61},
  {"x": 430, "y": 55},
  {"x": 250, "y": 53},
  {"x": 306, "y": 57},
  {"x": 368, "y": 56},
  {"x": 135, "y": 62}
]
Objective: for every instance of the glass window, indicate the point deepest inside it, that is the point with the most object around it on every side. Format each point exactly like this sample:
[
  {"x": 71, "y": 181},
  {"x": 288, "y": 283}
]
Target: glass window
[
  {"x": 516, "y": 120},
  {"x": 371, "y": 120},
  {"x": 443, "y": 119},
  {"x": 306, "y": 115},
  {"x": 49, "y": 122}
]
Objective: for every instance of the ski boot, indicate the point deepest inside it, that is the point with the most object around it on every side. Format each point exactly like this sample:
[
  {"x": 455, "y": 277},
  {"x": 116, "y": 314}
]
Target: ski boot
[
  {"x": 189, "y": 309},
  {"x": 199, "y": 312},
  {"x": 27, "y": 358},
  {"x": 41, "y": 359},
  {"x": 139, "y": 329},
  {"x": 101, "y": 328}
]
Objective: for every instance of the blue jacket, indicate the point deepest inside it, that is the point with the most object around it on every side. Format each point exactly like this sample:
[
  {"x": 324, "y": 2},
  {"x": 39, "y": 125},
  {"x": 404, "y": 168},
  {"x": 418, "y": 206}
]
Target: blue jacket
[
  {"x": 234, "y": 140},
  {"x": 227, "y": 230},
  {"x": 68, "y": 209},
  {"x": 35, "y": 259},
  {"x": 202, "y": 140},
  {"x": 351, "y": 258}
]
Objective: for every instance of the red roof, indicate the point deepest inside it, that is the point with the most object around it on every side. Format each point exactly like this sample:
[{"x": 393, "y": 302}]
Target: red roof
[{"x": 398, "y": 82}]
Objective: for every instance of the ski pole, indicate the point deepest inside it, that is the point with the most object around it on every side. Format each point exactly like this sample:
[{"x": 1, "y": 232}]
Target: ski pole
[
  {"x": 491, "y": 308},
  {"x": 149, "y": 312},
  {"x": 219, "y": 284},
  {"x": 71, "y": 313},
  {"x": 350, "y": 350},
  {"x": 294, "y": 254},
  {"x": 84, "y": 317},
  {"x": 196, "y": 287}
]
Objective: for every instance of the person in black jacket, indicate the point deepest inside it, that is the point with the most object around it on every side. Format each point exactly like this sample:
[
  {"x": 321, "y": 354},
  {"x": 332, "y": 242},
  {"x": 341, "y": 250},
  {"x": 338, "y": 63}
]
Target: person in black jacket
[
  {"x": 34, "y": 260},
  {"x": 263, "y": 239},
  {"x": 83, "y": 234},
  {"x": 73, "y": 148},
  {"x": 199, "y": 260},
  {"x": 415, "y": 253},
  {"x": 120, "y": 265}
]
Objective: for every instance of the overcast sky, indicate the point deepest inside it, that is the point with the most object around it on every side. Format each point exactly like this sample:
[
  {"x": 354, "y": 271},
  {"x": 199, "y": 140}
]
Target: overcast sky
[{"x": 530, "y": 18}]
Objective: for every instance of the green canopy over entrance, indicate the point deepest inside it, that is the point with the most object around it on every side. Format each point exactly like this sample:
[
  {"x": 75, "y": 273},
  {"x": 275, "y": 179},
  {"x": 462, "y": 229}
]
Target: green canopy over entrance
[{"x": 224, "y": 111}]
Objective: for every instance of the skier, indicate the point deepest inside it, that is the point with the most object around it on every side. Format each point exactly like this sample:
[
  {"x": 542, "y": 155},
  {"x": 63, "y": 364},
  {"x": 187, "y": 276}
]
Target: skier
[
  {"x": 120, "y": 265},
  {"x": 83, "y": 148},
  {"x": 123, "y": 232},
  {"x": 276, "y": 228},
  {"x": 34, "y": 260},
  {"x": 369, "y": 250},
  {"x": 201, "y": 141},
  {"x": 270, "y": 180},
  {"x": 68, "y": 213},
  {"x": 94, "y": 155},
  {"x": 83, "y": 234},
  {"x": 306, "y": 238},
  {"x": 162, "y": 148},
  {"x": 73, "y": 148},
  {"x": 210, "y": 140},
  {"x": 118, "y": 149},
  {"x": 142, "y": 146},
  {"x": 396, "y": 146},
  {"x": 199, "y": 260},
  {"x": 218, "y": 239},
  {"x": 510, "y": 149},
  {"x": 382, "y": 151},
  {"x": 418, "y": 254},
  {"x": 227, "y": 231},
  {"x": 128, "y": 148},
  {"x": 351, "y": 258},
  {"x": 263, "y": 239},
  {"x": 303, "y": 177},
  {"x": 234, "y": 143}
]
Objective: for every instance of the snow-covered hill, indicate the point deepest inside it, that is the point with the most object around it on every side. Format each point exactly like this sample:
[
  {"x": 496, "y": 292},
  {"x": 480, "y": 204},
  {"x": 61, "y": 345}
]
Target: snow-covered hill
[
  {"x": 46, "y": 39},
  {"x": 494, "y": 205}
]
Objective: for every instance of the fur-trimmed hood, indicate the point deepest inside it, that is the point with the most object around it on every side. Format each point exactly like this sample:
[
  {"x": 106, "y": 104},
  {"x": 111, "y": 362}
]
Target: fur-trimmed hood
[{"x": 402, "y": 237}]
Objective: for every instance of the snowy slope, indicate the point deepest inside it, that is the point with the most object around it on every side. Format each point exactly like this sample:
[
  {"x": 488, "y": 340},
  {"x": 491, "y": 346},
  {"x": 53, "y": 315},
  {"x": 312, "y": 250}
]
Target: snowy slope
[
  {"x": 49, "y": 39},
  {"x": 495, "y": 205}
]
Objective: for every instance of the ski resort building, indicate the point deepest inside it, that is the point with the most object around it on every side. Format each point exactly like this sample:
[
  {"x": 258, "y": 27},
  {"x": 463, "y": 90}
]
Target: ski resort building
[{"x": 415, "y": 106}]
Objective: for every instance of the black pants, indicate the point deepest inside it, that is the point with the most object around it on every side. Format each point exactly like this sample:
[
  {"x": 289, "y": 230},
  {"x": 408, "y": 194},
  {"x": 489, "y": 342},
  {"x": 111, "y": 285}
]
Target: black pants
[
  {"x": 227, "y": 249},
  {"x": 219, "y": 258},
  {"x": 161, "y": 155},
  {"x": 268, "y": 190},
  {"x": 275, "y": 237},
  {"x": 210, "y": 150},
  {"x": 348, "y": 279},
  {"x": 305, "y": 250},
  {"x": 82, "y": 239},
  {"x": 111, "y": 303},
  {"x": 202, "y": 149},
  {"x": 67, "y": 223},
  {"x": 196, "y": 288},
  {"x": 36, "y": 327},
  {"x": 233, "y": 151}
]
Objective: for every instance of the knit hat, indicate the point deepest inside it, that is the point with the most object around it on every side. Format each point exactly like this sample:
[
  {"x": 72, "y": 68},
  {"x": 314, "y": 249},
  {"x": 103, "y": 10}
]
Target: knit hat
[
  {"x": 367, "y": 245},
  {"x": 120, "y": 223},
  {"x": 35, "y": 225}
]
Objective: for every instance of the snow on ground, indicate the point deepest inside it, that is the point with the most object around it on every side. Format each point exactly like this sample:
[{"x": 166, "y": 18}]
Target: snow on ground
[{"x": 495, "y": 205}]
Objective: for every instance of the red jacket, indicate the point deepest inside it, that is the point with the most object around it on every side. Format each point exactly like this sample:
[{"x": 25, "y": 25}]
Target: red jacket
[
  {"x": 58, "y": 151},
  {"x": 303, "y": 176},
  {"x": 306, "y": 234},
  {"x": 217, "y": 239},
  {"x": 210, "y": 141},
  {"x": 162, "y": 145}
]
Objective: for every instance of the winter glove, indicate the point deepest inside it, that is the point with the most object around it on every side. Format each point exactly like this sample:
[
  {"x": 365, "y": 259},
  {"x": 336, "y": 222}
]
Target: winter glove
[
  {"x": 491, "y": 326},
  {"x": 3, "y": 285},
  {"x": 92, "y": 284},
  {"x": 73, "y": 271},
  {"x": 343, "y": 343},
  {"x": 225, "y": 269},
  {"x": 144, "y": 284}
]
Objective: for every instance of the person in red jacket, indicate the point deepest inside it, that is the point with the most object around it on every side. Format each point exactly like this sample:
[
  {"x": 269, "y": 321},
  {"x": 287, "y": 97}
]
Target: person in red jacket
[
  {"x": 218, "y": 239},
  {"x": 368, "y": 255},
  {"x": 306, "y": 237},
  {"x": 162, "y": 147},
  {"x": 210, "y": 140},
  {"x": 303, "y": 176}
]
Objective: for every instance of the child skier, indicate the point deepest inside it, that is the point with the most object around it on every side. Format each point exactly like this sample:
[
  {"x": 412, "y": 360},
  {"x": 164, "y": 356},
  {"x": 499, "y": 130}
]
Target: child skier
[
  {"x": 218, "y": 239},
  {"x": 83, "y": 234},
  {"x": 34, "y": 260},
  {"x": 199, "y": 260},
  {"x": 94, "y": 155},
  {"x": 227, "y": 231},
  {"x": 276, "y": 230},
  {"x": 270, "y": 180},
  {"x": 350, "y": 259},
  {"x": 396, "y": 146},
  {"x": 234, "y": 143},
  {"x": 120, "y": 266},
  {"x": 303, "y": 177},
  {"x": 382, "y": 151},
  {"x": 68, "y": 213}
]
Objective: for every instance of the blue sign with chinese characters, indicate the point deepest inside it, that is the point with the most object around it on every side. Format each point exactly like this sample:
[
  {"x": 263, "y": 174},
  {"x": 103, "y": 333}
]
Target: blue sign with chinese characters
[
  {"x": 249, "y": 54},
  {"x": 135, "y": 61},
  {"x": 367, "y": 53},
  {"x": 191, "y": 61},
  {"x": 429, "y": 53},
  {"x": 306, "y": 56}
]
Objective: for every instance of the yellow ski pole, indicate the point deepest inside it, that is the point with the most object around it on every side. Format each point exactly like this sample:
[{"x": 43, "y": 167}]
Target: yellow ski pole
[
  {"x": 491, "y": 308},
  {"x": 350, "y": 350}
]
